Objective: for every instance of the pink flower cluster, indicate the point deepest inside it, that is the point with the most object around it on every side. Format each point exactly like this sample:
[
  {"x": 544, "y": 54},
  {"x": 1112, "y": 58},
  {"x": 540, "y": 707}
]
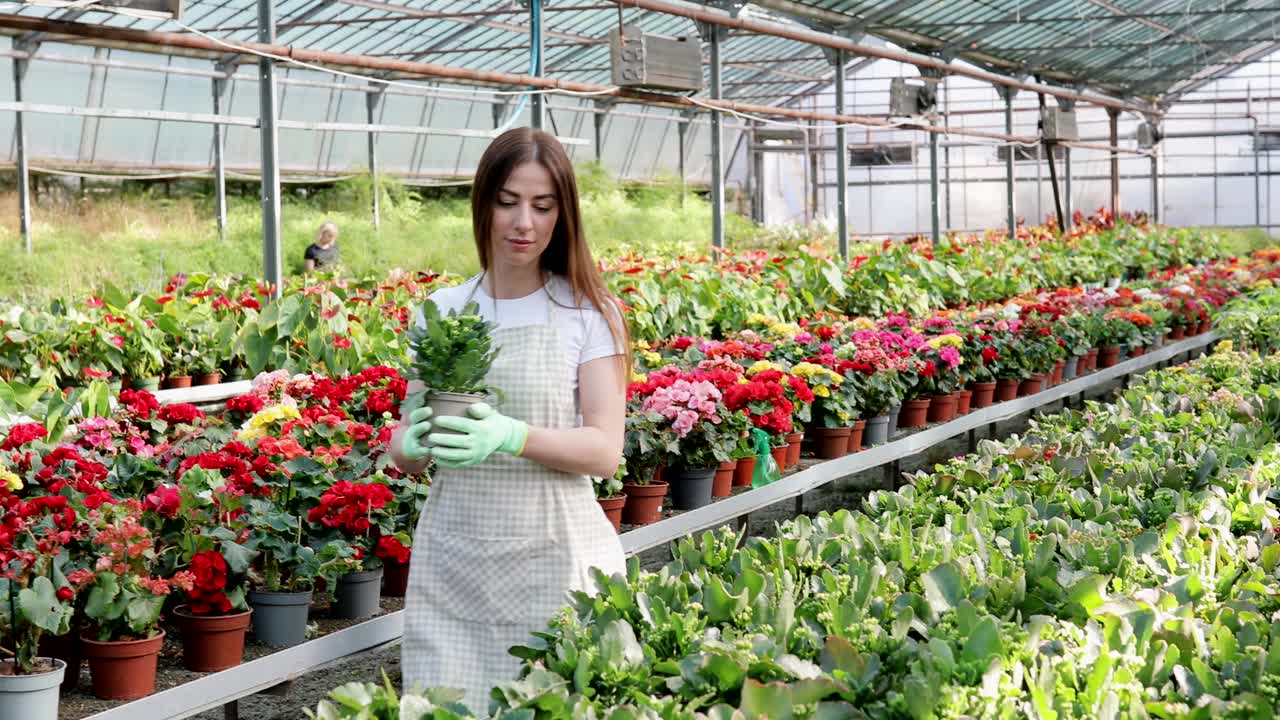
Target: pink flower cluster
[
  {"x": 951, "y": 357},
  {"x": 685, "y": 404}
]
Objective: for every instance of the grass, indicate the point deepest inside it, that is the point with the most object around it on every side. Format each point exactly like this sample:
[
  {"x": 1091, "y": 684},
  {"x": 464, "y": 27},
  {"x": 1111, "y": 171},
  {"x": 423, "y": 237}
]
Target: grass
[{"x": 135, "y": 239}]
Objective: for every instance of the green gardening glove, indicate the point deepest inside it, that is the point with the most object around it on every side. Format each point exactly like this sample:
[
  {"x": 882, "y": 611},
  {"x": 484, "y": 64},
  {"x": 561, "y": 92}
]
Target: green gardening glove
[
  {"x": 487, "y": 431},
  {"x": 411, "y": 445}
]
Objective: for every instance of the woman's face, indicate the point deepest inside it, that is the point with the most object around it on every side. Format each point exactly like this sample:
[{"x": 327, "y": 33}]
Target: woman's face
[{"x": 524, "y": 216}]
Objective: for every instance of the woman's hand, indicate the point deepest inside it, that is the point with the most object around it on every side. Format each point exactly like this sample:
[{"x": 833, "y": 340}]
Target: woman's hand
[{"x": 487, "y": 431}]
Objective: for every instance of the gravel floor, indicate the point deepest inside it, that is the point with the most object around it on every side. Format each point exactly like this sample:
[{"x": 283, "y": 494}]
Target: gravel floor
[{"x": 290, "y": 701}]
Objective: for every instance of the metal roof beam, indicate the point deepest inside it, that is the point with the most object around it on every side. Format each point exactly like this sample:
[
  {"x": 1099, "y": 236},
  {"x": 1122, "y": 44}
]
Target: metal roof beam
[
  {"x": 1217, "y": 71},
  {"x": 1150, "y": 82},
  {"x": 1014, "y": 17},
  {"x": 1168, "y": 31},
  {"x": 1129, "y": 15},
  {"x": 432, "y": 15}
]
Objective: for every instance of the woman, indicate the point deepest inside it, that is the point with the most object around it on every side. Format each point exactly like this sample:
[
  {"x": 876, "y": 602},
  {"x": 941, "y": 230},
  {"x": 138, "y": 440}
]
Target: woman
[
  {"x": 511, "y": 525},
  {"x": 323, "y": 253}
]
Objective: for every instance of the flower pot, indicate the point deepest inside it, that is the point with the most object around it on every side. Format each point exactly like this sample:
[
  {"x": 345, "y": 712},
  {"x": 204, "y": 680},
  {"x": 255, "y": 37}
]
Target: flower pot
[
  {"x": 780, "y": 457},
  {"x": 1137, "y": 351},
  {"x": 644, "y": 502},
  {"x": 280, "y": 618},
  {"x": 1108, "y": 356},
  {"x": 211, "y": 642},
  {"x": 237, "y": 374},
  {"x": 1031, "y": 385},
  {"x": 395, "y": 578},
  {"x": 1070, "y": 368},
  {"x": 125, "y": 669},
  {"x": 722, "y": 485},
  {"x": 832, "y": 442},
  {"x": 691, "y": 487},
  {"x": 983, "y": 394},
  {"x": 450, "y": 403},
  {"x": 942, "y": 408},
  {"x": 964, "y": 399},
  {"x": 150, "y": 384},
  {"x": 1092, "y": 357},
  {"x": 914, "y": 413},
  {"x": 612, "y": 507},
  {"x": 855, "y": 437},
  {"x": 67, "y": 649},
  {"x": 744, "y": 472},
  {"x": 1058, "y": 369},
  {"x": 876, "y": 431},
  {"x": 30, "y": 697},
  {"x": 356, "y": 596},
  {"x": 1006, "y": 390},
  {"x": 208, "y": 379},
  {"x": 793, "y": 449},
  {"x": 1205, "y": 326},
  {"x": 177, "y": 381},
  {"x": 1178, "y": 333},
  {"x": 894, "y": 413}
]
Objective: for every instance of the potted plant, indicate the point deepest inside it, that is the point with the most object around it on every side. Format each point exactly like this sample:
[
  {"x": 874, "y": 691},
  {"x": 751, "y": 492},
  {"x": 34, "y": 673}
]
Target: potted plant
[
  {"x": 395, "y": 544},
  {"x": 355, "y": 513},
  {"x": 687, "y": 426},
  {"x": 123, "y": 606},
  {"x": 833, "y": 410},
  {"x": 451, "y": 355},
  {"x": 180, "y": 360},
  {"x": 213, "y": 569},
  {"x": 610, "y": 496},
  {"x": 35, "y": 600}
]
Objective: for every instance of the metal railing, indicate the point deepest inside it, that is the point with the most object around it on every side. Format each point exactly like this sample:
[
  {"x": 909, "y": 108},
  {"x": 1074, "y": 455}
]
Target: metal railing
[{"x": 225, "y": 688}]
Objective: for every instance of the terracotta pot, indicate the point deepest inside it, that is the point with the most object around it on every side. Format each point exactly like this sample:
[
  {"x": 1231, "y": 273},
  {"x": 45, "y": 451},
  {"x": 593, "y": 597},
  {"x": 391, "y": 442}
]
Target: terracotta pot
[
  {"x": 744, "y": 472},
  {"x": 1092, "y": 357},
  {"x": 942, "y": 408},
  {"x": 1031, "y": 385},
  {"x": 914, "y": 413},
  {"x": 395, "y": 578},
  {"x": 177, "y": 381},
  {"x": 793, "y": 449},
  {"x": 1204, "y": 327},
  {"x": 1058, "y": 367},
  {"x": 612, "y": 507},
  {"x": 124, "y": 670},
  {"x": 983, "y": 394},
  {"x": 780, "y": 456},
  {"x": 855, "y": 437},
  {"x": 1178, "y": 333},
  {"x": 644, "y": 503},
  {"x": 964, "y": 399},
  {"x": 1006, "y": 390},
  {"x": 67, "y": 649},
  {"x": 208, "y": 379},
  {"x": 211, "y": 642},
  {"x": 1108, "y": 356},
  {"x": 832, "y": 442},
  {"x": 1137, "y": 351},
  {"x": 659, "y": 474},
  {"x": 722, "y": 486}
]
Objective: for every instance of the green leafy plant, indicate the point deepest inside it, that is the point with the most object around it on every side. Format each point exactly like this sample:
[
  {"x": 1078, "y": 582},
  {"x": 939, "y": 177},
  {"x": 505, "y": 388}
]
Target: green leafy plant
[{"x": 452, "y": 352}]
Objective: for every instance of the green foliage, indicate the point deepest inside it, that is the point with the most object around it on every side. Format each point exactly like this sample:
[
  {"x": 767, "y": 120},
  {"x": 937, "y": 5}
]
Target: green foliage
[{"x": 453, "y": 352}]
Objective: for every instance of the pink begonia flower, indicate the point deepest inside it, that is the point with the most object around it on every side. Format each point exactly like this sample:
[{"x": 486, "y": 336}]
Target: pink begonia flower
[
  {"x": 684, "y": 423},
  {"x": 951, "y": 357},
  {"x": 804, "y": 337},
  {"x": 141, "y": 447}
]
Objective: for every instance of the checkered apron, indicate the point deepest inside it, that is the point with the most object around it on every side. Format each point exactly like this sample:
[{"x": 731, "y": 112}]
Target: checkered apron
[{"x": 499, "y": 546}]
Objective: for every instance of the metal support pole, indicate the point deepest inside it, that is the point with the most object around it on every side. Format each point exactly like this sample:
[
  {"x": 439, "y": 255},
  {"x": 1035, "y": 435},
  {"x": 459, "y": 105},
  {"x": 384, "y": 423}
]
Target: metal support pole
[
  {"x": 1114, "y": 115},
  {"x": 717, "y": 141},
  {"x": 935, "y": 209},
  {"x": 537, "y": 102},
  {"x": 1155, "y": 186},
  {"x": 800, "y": 504},
  {"x": 682, "y": 130},
  {"x": 1011, "y": 209},
  {"x": 219, "y": 162},
  {"x": 1066, "y": 188},
  {"x": 598, "y": 118},
  {"x": 272, "y": 266},
  {"x": 372, "y": 99},
  {"x": 842, "y": 163},
  {"x": 24, "y": 171}
]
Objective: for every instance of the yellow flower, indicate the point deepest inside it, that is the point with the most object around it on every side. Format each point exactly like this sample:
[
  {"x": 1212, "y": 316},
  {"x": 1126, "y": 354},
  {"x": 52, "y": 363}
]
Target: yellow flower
[
  {"x": 821, "y": 391},
  {"x": 948, "y": 340},
  {"x": 787, "y": 330},
  {"x": 639, "y": 377},
  {"x": 760, "y": 366},
  {"x": 640, "y": 345},
  {"x": 651, "y": 357},
  {"x": 10, "y": 479},
  {"x": 267, "y": 416},
  {"x": 862, "y": 323},
  {"x": 1225, "y": 346},
  {"x": 759, "y": 319}
]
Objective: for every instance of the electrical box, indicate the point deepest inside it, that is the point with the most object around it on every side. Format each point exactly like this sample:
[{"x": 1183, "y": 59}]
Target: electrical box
[
  {"x": 656, "y": 62},
  {"x": 1148, "y": 135},
  {"x": 907, "y": 100},
  {"x": 1058, "y": 125}
]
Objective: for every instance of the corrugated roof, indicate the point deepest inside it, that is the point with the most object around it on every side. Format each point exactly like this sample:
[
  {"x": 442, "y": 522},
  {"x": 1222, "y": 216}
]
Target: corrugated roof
[{"x": 1127, "y": 48}]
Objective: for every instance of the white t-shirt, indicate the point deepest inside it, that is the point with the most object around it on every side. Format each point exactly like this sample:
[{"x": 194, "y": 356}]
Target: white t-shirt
[{"x": 582, "y": 328}]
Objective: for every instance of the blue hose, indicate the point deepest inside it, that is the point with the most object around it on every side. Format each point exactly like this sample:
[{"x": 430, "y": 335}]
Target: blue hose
[{"x": 535, "y": 25}]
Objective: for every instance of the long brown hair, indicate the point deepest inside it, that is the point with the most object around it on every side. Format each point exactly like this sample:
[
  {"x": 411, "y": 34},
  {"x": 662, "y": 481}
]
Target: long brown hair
[{"x": 567, "y": 254}]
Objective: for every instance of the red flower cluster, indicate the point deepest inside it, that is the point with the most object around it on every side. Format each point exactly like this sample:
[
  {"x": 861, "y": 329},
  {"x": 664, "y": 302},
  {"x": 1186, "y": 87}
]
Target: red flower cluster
[
  {"x": 247, "y": 404},
  {"x": 208, "y": 592},
  {"x": 164, "y": 501},
  {"x": 180, "y": 413},
  {"x": 347, "y": 505},
  {"x": 140, "y": 402},
  {"x": 64, "y": 467},
  {"x": 232, "y": 463},
  {"x": 391, "y": 550},
  {"x": 764, "y": 400},
  {"x": 23, "y": 433},
  {"x": 989, "y": 355}
]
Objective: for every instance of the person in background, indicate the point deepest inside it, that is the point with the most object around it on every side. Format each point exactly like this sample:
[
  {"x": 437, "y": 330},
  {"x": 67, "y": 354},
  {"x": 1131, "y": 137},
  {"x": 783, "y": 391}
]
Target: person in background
[{"x": 323, "y": 253}]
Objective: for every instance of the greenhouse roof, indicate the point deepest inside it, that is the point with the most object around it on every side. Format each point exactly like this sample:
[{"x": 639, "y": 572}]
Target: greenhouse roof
[{"x": 1125, "y": 48}]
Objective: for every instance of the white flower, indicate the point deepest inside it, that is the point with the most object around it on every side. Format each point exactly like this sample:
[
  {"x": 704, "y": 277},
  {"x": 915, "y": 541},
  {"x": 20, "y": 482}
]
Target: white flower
[{"x": 1012, "y": 311}]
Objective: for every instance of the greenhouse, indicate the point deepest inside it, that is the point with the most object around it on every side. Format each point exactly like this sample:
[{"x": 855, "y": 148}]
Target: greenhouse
[{"x": 639, "y": 359}]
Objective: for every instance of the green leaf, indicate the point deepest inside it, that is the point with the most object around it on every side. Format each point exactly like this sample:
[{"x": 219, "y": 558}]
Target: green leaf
[
  {"x": 770, "y": 702},
  {"x": 943, "y": 587},
  {"x": 40, "y": 606},
  {"x": 237, "y": 556},
  {"x": 983, "y": 642}
]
